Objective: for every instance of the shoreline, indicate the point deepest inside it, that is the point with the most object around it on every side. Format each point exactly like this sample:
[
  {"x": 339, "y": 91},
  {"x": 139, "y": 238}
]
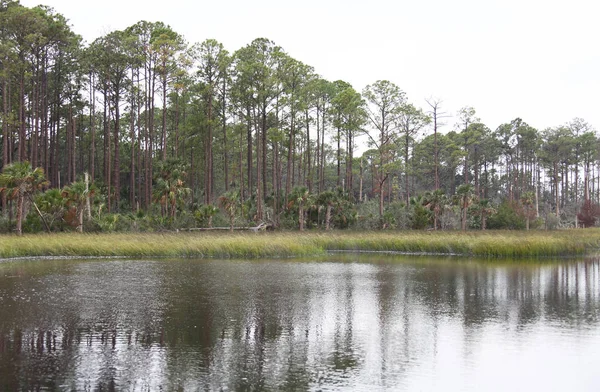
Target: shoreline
[{"x": 488, "y": 244}]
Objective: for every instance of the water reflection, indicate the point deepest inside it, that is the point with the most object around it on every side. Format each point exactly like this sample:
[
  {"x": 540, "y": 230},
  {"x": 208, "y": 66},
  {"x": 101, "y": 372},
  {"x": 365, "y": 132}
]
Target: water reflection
[{"x": 354, "y": 322}]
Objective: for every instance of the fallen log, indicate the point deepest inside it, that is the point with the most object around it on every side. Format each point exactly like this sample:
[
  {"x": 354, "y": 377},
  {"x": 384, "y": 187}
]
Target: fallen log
[{"x": 260, "y": 227}]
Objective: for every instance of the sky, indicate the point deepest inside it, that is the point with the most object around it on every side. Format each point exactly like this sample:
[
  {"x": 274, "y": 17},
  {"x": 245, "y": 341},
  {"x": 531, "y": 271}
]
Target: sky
[{"x": 537, "y": 60}]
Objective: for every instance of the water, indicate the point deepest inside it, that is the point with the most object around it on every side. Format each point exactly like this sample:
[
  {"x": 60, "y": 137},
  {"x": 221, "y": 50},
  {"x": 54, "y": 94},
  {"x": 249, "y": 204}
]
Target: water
[{"x": 362, "y": 323}]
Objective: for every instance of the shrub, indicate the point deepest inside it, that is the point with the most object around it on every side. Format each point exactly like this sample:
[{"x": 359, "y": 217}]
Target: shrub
[
  {"x": 507, "y": 218},
  {"x": 368, "y": 216},
  {"x": 398, "y": 215},
  {"x": 420, "y": 218},
  {"x": 552, "y": 221}
]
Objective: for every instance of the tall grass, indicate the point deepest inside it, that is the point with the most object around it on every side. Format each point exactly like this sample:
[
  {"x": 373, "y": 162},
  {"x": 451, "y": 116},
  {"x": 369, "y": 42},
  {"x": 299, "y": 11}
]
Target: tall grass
[{"x": 517, "y": 244}]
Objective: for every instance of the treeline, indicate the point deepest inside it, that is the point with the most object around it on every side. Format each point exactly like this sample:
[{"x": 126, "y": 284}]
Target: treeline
[{"x": 169, "y": 129}]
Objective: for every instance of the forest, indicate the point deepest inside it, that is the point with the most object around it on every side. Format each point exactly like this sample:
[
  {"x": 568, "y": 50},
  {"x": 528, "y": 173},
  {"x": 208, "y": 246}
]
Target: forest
[{"x": 141, "y": 130}]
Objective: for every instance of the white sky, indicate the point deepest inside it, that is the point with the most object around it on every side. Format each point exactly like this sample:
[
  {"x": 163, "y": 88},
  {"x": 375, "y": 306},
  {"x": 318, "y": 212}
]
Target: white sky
[{"x": 534, "y": 59}]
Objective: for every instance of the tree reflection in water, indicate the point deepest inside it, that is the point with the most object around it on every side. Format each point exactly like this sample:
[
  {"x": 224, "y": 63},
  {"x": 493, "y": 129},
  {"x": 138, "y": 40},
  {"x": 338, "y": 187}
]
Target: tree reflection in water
[{"x": 363, "y": 322}]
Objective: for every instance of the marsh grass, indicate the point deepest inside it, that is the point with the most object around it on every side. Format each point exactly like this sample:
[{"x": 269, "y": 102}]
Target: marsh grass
[{"x": 505, "y": 244}]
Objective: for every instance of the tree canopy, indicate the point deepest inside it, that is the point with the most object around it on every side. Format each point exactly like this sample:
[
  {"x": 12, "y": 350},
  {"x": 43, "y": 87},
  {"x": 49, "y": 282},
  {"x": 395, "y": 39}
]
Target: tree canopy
[{"x": 168, "y": 128}]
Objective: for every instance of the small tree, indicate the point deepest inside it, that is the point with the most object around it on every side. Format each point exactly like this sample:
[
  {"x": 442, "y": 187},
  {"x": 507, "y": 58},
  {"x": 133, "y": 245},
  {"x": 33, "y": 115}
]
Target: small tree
[
  {"x": 484, "y": 209},
  {"x": 206, "y": 213},
  {"x": 300, "y": 198},
  {"x": 527, "y": 201},
  {"x": 436, "y": 201},
  {"x": 588, "y": 214},
  {"x": 420, "y": 216},
  {"x": 21, "y": 181},
  {"x": 327, "y": 199},
  {"x": 464, "y": 198},
  {"x": 52, "y": 206},
  {"x": 230, "y": 202},
  {"x": 507, "y": 217},
  {"x": 170, "y": 189},
  {"x": 77, "y": 196}
]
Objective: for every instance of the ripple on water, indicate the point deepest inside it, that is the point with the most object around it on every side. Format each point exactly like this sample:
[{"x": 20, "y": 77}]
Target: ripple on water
[{"x": 390, "y": 324}]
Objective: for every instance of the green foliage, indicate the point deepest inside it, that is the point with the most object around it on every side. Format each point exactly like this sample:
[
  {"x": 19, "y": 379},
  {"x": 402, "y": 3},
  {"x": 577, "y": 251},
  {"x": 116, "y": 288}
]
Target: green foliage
[
  {"x": 224, "y": 119},
  {"x": 436, "y": 202},
  {"x": 205, "y": 214},
  {"x": 230, "y": 203},
  {"x": 20, "y": 181},
  {"x": 507, "y": 217},
  {"x": 53, "y": 207},
  {"x": 420, "y": 217},
  {"x": 110, "y": 223},
  {"x": 396, "y": 216},
  {"x": 552, "y": 221},
  {"x": 170, "y": 191},
  {"x": 77, "y": 196},
  {"x": 32, "y": 224},
  {"x": 479, "y": 213},
  {"x": 368, "y": 216},
  {"x": 463, "y": 198},
  {"x": 344, "y": 214}
]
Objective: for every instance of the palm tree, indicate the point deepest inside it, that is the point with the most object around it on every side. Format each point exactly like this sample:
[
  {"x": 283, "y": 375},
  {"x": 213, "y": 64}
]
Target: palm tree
[
  {"x": 52, "y": 205},
  {"x": 21, "y": 181},
  {"x": 300, "y": 197},
  {"x": 527, "y": 200},
  {"x": 420, "y": 215},
  {"x": 436, "y": 201},
  {"x": 464, "y": 198},
  {"x": 328, "y": 199},
  {"x": 160, "y": 195},
  {"x": 230, "y": 202},
  {"x": 77, "y": 195},
  {"x": 484, "y": 208},
  {"x": 206, "y": 213},
  {"x": 170, "y": 189}
]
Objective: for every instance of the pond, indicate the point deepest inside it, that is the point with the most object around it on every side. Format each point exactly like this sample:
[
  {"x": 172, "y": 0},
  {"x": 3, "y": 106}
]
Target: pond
[{"x": 355, "y": 322}]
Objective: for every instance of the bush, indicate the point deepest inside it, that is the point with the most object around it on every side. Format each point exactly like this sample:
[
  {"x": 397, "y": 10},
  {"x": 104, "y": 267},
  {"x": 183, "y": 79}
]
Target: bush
[
  {"x": 5, "y": 224},
  {"x": 32, "y": 224},
  {"x": 507, "y": 218},
  {"x": 345, "y": 215},
  {"x": 397, "y": 215},
  {"x": 450, "y": 219},
  {"x": 420, "y": 218},
  {"x": 552, "y": 221},
  {"x": 368, "y": 216}
]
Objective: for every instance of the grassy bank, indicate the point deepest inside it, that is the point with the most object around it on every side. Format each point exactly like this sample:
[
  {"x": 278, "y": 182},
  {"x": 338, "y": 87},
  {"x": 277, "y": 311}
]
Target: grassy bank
[{"x": 251, "y": 245}]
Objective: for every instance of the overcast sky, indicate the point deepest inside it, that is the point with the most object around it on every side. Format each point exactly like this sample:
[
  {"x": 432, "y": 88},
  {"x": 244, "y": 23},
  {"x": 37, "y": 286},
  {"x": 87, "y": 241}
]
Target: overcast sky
[{"x": 538, "y": 60}]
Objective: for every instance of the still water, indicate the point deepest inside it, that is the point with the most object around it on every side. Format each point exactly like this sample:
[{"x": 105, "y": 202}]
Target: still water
[{"x": 364, "y": 323}]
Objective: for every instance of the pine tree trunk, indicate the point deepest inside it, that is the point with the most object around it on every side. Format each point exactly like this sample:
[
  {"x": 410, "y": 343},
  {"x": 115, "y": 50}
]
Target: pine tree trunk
[
  {"x": 381, "y": 194},
  {"x": 21, "y": 153},
  {"x": 92, "y": 167},
  {"x": 338, "y": 157},
  {"x": 225, "y": 146},
  {"x": 20, "y": 212},
  {"x": 264, "y": 157},
  {"x": 290, "y": 154},
  {"x": 133, "y": 144},
  {"x": 208, "y": 154},
  {"x": 164, "y": 116},
  {"x": 259, "y": 173},
  {"x": 5, "y": 139},
  {"x": 308, "y": 148},
  {"x": 249, "y": 151}
]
